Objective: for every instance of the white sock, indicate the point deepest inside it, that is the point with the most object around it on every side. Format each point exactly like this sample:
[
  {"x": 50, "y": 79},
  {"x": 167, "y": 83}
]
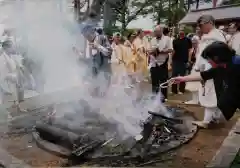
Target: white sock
[
  {"x": 218, "y": 116},
  {"x": 195, "y": 97},
  {"x": 208, "y": 114}
]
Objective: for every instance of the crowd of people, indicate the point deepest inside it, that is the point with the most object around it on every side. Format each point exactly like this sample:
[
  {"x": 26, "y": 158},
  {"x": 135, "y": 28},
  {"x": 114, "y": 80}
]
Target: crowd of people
[
  {"x": 158, "y": 59},
  {"x": 142, "y": 57}
]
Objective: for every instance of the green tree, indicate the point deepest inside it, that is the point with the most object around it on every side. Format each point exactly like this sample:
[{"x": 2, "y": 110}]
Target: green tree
[
  {"x": 127, "y": 10},
  {"x": 167, "y": 11},
  {"x": 170, "y": 12},
  {"x": 158, "y": 9},
  {"x": 78, "y": 8}
]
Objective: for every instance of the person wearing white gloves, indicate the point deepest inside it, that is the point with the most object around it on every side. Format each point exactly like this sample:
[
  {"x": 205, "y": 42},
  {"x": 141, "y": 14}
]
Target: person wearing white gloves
[
  {"x": 207, "y": 94},
  {"x": 225, "y": 74}
]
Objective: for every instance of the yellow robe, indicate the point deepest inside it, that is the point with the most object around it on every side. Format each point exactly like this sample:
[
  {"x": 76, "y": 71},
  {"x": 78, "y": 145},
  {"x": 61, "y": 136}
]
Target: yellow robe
[
  {"x": 141, "y": 60},
  {"x": 130, "y": 58},
  {"x": 118, "y": 59}
]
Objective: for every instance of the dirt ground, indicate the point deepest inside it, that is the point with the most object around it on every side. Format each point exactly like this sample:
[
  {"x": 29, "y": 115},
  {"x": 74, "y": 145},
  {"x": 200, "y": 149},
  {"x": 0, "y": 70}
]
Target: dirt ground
[
  {"x": 197, "y": 153},
  {"x": 24, "y": 148}
]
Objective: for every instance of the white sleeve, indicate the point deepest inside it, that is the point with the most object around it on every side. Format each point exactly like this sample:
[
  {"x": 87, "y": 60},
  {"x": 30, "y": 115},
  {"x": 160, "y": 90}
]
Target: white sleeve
[
  {"x": 153, "y": 43},
  {"x": 199, "y": 58},
  {"x": 236, "y": 44},
  {"x": 103, "y": 50}
]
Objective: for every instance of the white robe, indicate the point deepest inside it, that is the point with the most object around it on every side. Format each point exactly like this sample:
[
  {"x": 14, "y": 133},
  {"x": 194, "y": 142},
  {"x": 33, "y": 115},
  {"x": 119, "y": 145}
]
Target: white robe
[
  {"x": 234, "y": 42},
  {"x": 194, "y": 86},
  {"x": 14, "y": 77},
  {"x": 8, "y": 76},
  {"x": 208, "y": 99}
]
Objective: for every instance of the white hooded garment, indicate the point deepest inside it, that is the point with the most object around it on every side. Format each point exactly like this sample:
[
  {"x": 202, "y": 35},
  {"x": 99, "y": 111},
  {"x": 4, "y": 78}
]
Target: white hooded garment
[
  {"x": 13, "y": 76},
  {"x": 234, "y": 42},
  {"x": 208, "y": 99},
  {"x": 8, "y": 75}
]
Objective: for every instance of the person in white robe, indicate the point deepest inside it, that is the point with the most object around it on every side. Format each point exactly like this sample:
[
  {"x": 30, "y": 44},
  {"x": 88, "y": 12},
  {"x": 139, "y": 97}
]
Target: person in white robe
[
  {"x": 234, "y": 41},
  {"x": 100, "y": 56},
  {"x": 7, "y": 70},
  {"x": 225, "y": 33},
  {"x": 207, "y": 94},
  {"x": 14, "y": 76},
  {"x": 194, "y": 86}
]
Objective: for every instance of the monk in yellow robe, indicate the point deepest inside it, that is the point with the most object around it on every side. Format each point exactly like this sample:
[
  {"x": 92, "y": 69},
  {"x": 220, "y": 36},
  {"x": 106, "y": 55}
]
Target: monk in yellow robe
[
  {"x": 141, "y": 45},
  {"x": 118, "y": 59},
  {"x": 130, "y": 54}
]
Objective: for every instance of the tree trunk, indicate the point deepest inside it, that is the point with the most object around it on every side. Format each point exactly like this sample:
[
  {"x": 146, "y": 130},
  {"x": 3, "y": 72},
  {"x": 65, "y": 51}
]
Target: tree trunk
[
  {"x": 197, "y": 4},
  {"x": 124, "y": 24},
  {"x": 88, "y": 6},
  {"x": 214, "y": 3},
  {"x": 189, "y": 2},
  {"x": 169, "y": 13},
  {"x": 96, "y": 6},
  {"x": 124, "y": 17},
  {"x": 107, "y": 16},
  {"x": 159, "y": 12},
  {"x": 158, "y": 19}
]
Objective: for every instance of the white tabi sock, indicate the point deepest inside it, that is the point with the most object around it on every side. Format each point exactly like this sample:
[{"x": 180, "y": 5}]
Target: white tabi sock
[{"x": 208, "y": 115}]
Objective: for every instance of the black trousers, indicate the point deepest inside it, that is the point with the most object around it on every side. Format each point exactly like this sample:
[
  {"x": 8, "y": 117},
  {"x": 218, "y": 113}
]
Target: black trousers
[
  {"x": 159, "y": 74},
  {"x": 179, "y": 69}
]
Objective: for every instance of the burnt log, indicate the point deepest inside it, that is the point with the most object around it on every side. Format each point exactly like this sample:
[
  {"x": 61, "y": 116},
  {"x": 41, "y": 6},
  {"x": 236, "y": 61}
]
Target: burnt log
[
  {"x": 170, "y": 120},
  {"x": 89, "y": 147},
  {"x": 56, "y": 135},
  {"x": 74, "y": 127}
]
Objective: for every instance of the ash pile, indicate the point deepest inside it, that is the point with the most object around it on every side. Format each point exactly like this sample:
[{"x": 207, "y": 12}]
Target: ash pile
[{"x": 96, "y": 139}]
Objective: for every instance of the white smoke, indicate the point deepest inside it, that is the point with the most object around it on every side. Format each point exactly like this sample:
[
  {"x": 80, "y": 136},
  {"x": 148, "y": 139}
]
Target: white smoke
[{"x": 47, "y": 30}]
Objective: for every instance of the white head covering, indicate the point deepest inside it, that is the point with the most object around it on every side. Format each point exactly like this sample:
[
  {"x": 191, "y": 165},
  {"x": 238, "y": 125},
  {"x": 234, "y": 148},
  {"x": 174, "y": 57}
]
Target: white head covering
[{"x": 195, "y": 38}]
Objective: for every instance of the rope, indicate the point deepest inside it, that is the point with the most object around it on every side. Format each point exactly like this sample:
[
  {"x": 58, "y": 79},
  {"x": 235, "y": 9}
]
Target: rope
[{"x": 166, "y": 84}]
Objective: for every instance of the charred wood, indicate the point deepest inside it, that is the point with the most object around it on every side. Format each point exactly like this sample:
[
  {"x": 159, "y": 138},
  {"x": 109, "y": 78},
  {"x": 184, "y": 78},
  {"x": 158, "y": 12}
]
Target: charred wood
[
  {"x": 172, "y": 120},
  {"x": 56, "y": 135}
]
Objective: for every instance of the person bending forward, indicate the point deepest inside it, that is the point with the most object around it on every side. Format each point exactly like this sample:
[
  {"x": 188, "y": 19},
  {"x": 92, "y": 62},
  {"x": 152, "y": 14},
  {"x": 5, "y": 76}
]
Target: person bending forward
[{"x": 225, "y": 73}]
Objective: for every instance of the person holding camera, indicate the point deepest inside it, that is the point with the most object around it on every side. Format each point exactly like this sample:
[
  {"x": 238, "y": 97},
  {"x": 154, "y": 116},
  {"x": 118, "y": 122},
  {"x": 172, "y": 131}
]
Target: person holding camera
[{"x": 161, "y": 46}]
